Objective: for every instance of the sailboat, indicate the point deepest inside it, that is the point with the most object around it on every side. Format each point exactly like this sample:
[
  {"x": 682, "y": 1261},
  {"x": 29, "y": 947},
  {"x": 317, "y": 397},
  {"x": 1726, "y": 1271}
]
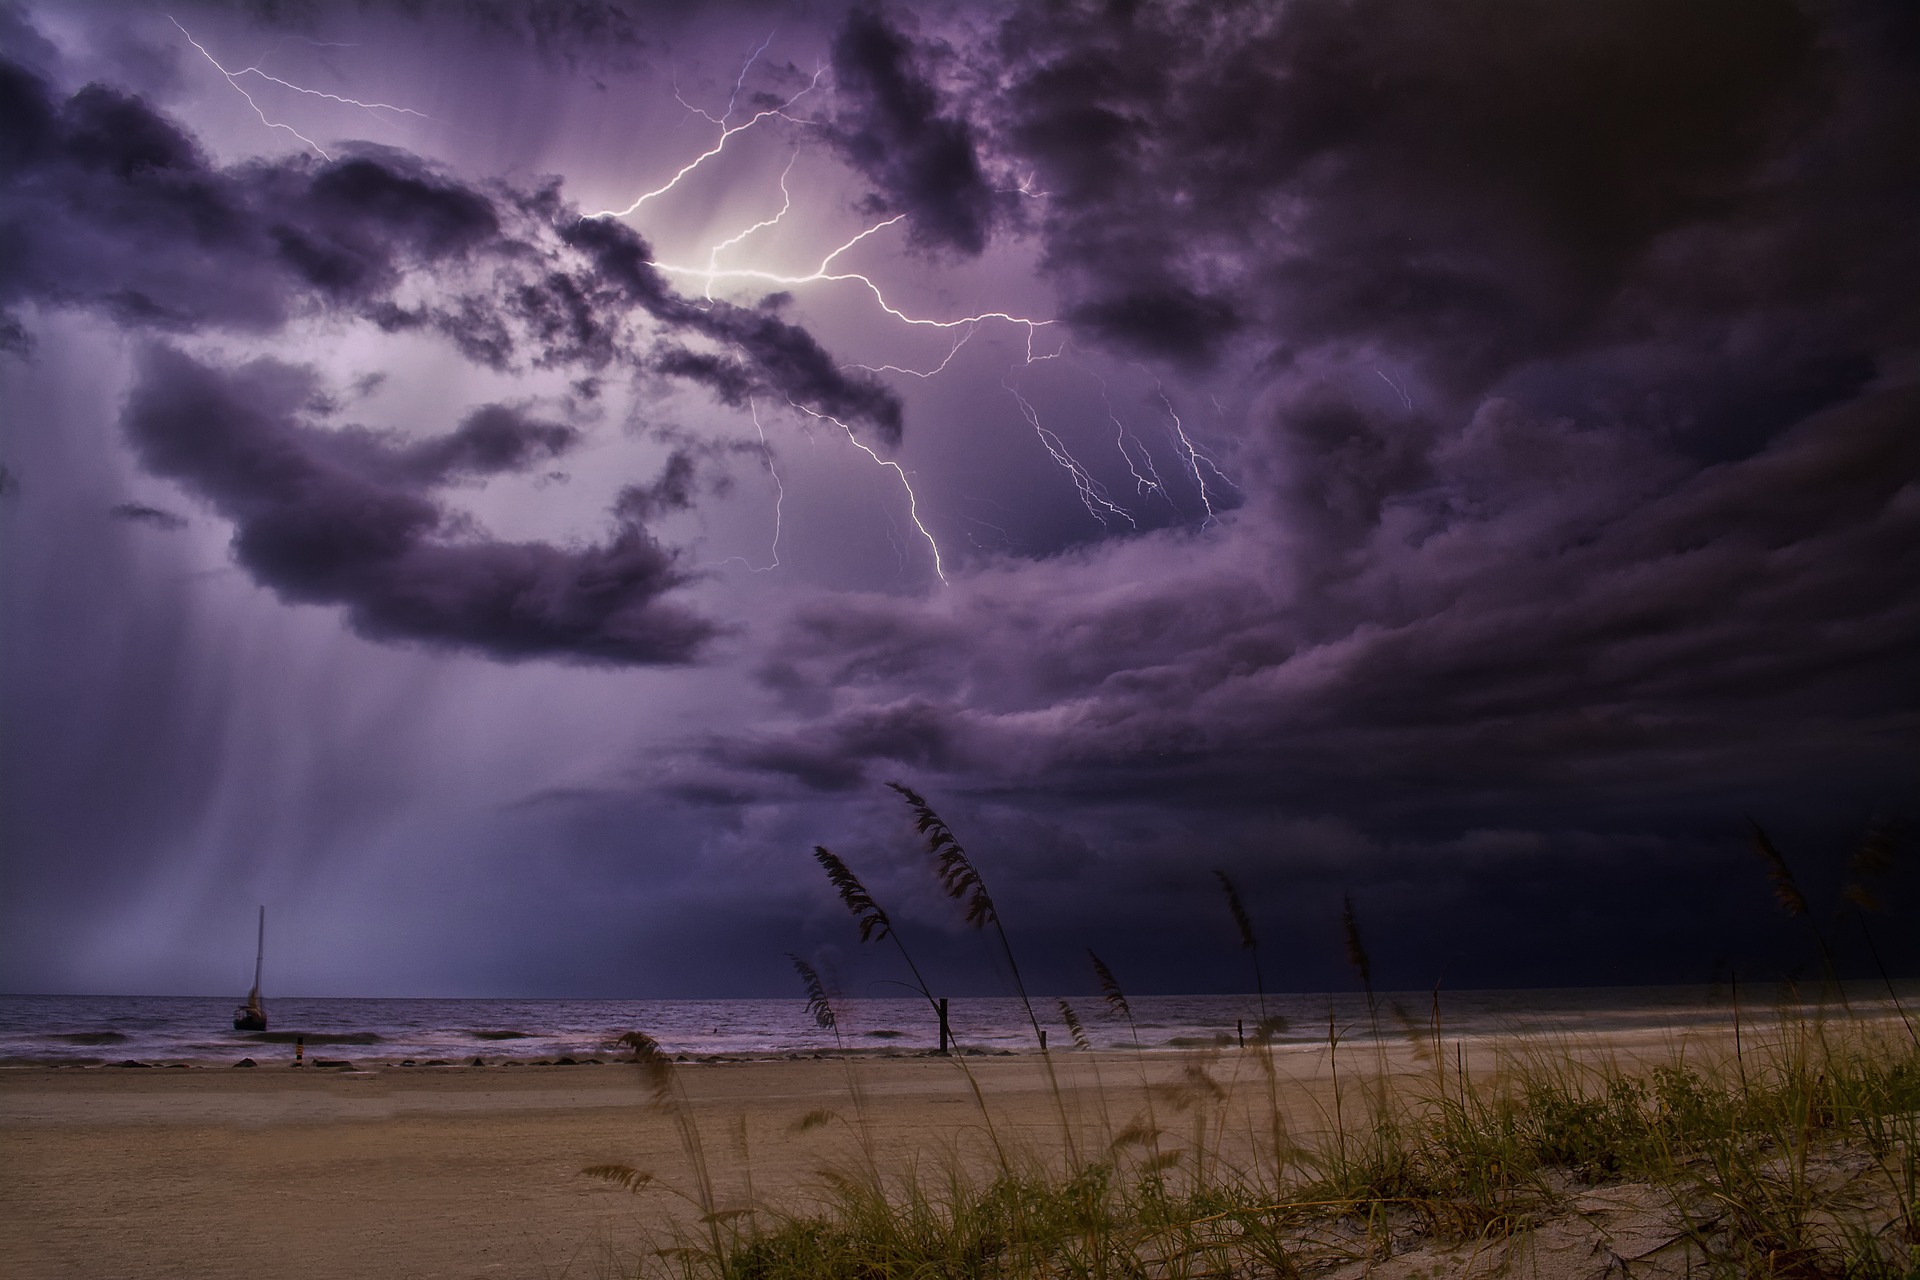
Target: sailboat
[{"x": 252, "y": 1016}]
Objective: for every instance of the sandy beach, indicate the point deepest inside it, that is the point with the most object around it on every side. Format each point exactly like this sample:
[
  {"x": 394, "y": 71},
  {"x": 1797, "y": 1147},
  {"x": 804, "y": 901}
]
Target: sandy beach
[
  {"x": 440, "y": 1172},
  {"x": 476, "y": 1171}
]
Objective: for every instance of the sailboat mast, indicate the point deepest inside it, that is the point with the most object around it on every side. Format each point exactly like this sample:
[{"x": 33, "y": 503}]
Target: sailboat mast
[{"x": 260, "y": 950}]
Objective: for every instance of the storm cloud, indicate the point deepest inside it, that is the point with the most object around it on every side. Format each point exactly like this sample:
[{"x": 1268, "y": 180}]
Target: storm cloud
[
  {"x": 326, "y": 517},
  {"x": 1471, "y": 461},
  {"x": 1578, "y": 466},
  {"x": 892, "y": 129},
  {"x": 112, "y": 206}
]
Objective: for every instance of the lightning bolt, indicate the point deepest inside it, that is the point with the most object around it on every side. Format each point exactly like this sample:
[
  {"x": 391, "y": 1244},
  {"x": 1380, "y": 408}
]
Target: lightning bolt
[
  {"x": 1142, "y": 485},
  {"x": 1006, "y": 539},
  {"x": 713, "y": 274},
  {"x": 233, "y": 78},
  {"x": 1407, "y": 399},
  {"x": 779, "y": 492},
  {"x": 1024, "y": 187},
  {"x": 727, "y": 131},
  {"x": 1194, "y": 458},
  {"x": 786, "y": 205},
  {"x": 1093, "y": 495},
  {"x": 913, "y": 501},
  {"x": 966, "y": 336},
  {"x": 825, "y": 274},
  {"x": 739, "y": 83}
]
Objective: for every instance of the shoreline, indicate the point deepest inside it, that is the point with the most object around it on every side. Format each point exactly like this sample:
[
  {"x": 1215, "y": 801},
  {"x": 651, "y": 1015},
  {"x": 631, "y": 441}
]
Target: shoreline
[
  {"x": 462, "y": 1171},
  {"x": 366, "y": 1049},
  {"x": 100, "y": 1031}
]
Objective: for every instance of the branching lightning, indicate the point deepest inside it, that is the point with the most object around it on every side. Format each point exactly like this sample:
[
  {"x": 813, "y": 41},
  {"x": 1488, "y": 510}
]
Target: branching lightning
[
  {"x": 913, "y": 500},
  {"x": 779, "y": 494},
  {"x": 824, "y": 274},
  {"x": 233, "y": 78},
  {"x": 727, "y": 131},
  {"x": 966, "y": 335},
  {"x": 1142, "y": 485},
  {"x": 786, "y": 205},
  {"x": 1404, "y": 397},
  {"x": 1093, "y": 495},
  {"x": 1194, "y": 458}
]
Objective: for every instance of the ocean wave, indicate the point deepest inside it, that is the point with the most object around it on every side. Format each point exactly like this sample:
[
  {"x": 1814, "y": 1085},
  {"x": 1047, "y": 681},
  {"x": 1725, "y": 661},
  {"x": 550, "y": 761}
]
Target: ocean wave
[{"x": 311, "y": 1037}]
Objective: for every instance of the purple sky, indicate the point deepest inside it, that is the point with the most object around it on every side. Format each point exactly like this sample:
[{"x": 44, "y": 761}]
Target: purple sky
[{"x": 499, "y": 483}]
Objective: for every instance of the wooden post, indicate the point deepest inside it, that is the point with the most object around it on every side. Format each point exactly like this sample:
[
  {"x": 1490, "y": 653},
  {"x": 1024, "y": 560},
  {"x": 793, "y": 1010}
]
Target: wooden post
[
  {"x": 946, "y": 1035},
  {"x": 1240, "y": 1029}
]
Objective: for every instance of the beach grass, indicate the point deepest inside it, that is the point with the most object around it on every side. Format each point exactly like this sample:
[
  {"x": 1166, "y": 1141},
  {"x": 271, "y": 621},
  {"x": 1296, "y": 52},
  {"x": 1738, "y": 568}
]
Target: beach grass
[
  {"x": 1782, "y": 1147},
  {"x": 1795, "y": 1158}
]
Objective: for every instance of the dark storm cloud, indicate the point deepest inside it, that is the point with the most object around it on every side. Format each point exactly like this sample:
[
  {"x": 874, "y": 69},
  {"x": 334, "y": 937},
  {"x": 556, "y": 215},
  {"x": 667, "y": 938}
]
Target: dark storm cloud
[
  {"x": 141, "y": 513},
  {"x": 890, "y": 127},
  {"x": 1544, "y": 615},
  {"x": 329, "y": 517},
  {"x": 1636, "y": 276},
  {"x": 108, "y": 205},
  {"x": 779, "y": 357},
  {"x": 1579, "y": 474},
  {"x": 362, "y": 218},
  {"x": 1565, "y": 360},
  {"x": 671, "y": 490},
  {"x": 833, "y": 753},
  {"x": 493, "y": 438},
  {"x": 1470, "y": 184}
]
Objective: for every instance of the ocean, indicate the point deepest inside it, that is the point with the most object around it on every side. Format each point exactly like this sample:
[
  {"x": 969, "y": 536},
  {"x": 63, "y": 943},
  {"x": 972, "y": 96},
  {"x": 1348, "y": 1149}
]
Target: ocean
[{"x": 162, "y": 1030}]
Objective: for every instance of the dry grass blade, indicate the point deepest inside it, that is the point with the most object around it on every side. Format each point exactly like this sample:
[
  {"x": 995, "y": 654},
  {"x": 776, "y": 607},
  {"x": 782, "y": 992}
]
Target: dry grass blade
[
  {"x": 1072, "y": 1019},
  {"x": 818, "y": 1005},
  {"x": 1110, "y": 988},
  {"x": 958, "y": 876},
  {"x": 874, "y": 924},
  {"x": 1417, "y": 1036},
  {"x": 620, "y": 1175},
  {"x": 653, "y": 1061},
  {"x": 1201, "y": 1080},
  {"x": 1871, "y": 861},
  {"x": 814, "y": 1119},
  {"x": 1161, "y": 1163},
  {"x": 1786, "y": 890},
  {"x": 1241, "y": 920},
  {"x": 1356, "y": 949}
]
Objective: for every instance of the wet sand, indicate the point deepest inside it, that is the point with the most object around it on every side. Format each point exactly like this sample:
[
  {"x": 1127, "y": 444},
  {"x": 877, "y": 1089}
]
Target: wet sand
[{"x": 476, "y": 1172}]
